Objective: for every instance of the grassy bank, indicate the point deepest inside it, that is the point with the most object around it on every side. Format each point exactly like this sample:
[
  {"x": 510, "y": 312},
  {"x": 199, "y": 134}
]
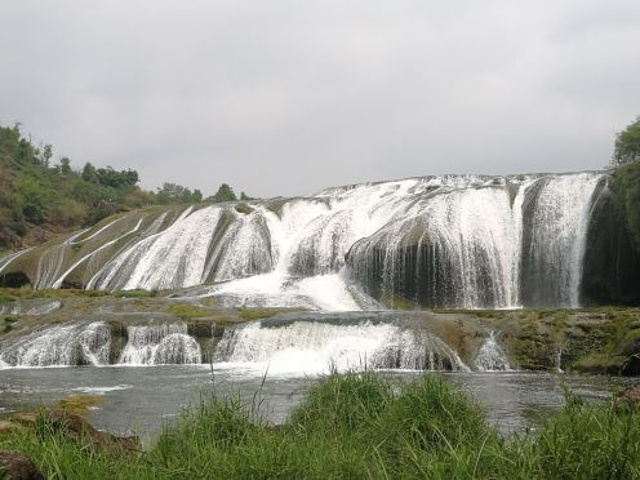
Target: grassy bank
[{"x": 359, "y": 426}]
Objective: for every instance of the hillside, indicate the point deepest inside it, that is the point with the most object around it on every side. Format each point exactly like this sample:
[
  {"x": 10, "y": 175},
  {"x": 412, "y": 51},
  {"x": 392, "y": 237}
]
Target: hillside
[{"x": 41, "y": 196}]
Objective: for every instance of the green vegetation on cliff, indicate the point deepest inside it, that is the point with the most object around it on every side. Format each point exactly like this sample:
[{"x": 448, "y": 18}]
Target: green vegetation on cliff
[
  {"x": 626, "y": 184},
  {"x": 40, "y": 197},
  {"x": 627, "y": 146},
  {"x": 353, "y": 426},
  {"x": 35, "y": 193}
]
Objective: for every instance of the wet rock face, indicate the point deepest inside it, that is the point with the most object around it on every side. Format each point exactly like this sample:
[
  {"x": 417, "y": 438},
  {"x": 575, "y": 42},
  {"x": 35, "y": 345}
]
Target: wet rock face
[
  {"x": 14, "y": 280},
  {"x": 611, "y": 272},
  {"x": 17, "y": 466}
]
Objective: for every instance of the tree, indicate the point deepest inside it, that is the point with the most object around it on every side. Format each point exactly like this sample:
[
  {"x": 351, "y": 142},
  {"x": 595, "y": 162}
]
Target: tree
[
  {"x": 627, "y": 147},
  {"x": 65, "y": 166},
  {"x": 224, "y": 194},
  {"x": 109, "y": 177},
  {"x": 47, "y": 154},
  {"x": 172, "y": 193},
  {"x": 196, "y": 196},
  {"x": 89, "y": 173}
]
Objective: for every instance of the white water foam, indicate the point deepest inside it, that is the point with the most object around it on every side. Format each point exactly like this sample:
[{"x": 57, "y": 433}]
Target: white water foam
[
  {"x": 491, "y": 357},
  {"x": 314, "y": 347},
  {"x": 102, "y": 390},
  {"x": 559, "y": 233},
  {"x": 60, "y": 346},
  {"x": 160, "y": 345},
  {"x": 332, "y": 292}
]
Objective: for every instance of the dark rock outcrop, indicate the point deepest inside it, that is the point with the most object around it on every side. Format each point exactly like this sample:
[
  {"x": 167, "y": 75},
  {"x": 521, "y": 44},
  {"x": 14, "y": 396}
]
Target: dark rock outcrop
[
  {"x": 611, "y": 267},
  {"x": 17, "y": 466},
  {"x": 77, "y": 427}
]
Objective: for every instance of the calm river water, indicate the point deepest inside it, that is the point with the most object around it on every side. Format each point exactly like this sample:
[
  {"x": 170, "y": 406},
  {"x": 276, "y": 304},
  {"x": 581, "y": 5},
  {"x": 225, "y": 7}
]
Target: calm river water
[{"x": 140, "y": 399}]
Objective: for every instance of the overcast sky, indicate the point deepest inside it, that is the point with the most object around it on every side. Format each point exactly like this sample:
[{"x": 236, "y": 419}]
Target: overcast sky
[{"x": 288, "y": 97}]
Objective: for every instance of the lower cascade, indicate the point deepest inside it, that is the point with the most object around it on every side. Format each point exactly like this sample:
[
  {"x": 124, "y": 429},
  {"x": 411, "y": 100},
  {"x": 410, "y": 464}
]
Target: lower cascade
[
  {"x": 91, "y": 344},
  {"x": 491, "y": 357},
  {"x": 159, "y": 345},
  {"x": 78, "y": 344},
  {"x": 300, "y": 344},
  {"x": 315, "y": 346}
]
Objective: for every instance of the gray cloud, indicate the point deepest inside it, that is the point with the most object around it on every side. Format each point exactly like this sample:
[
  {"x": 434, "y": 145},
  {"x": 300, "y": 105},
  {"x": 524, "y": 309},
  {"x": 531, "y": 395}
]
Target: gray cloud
[{"x": 288, "y": 97}]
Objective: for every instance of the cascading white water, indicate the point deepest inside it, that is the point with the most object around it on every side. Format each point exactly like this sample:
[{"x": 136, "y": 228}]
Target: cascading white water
[
  {"x": 332, "y": 292},
  {"x": 491, "y": 357},
  {"x": 77, "y": 344},
  {"x": 244, "y": 250},
  {"x": 173, "y": 258},
  {"x": 448, "y": 241},
  {"x": 558, "y": 235},
  {"x": 8, "y": 259},
  {"x": 160, "y": 345},
  {"x": 308, "y": 347},
  {"x": 58, "y": 283},
  {"x": 473, "y": 232}
]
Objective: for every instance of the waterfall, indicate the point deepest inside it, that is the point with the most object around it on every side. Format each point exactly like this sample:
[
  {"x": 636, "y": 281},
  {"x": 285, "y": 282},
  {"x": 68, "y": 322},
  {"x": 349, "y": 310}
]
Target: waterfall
[
  {"x": 159, "y": 345},
  {"x": 244, "y": 250},
  {"x": 78, "y": 344},
  {"x": 559, "y": 361},
  {"x": 456, "y": 247},
  {"x": 308, "y": 347},
  {"x": 172, "y": 258},
  {"x": 557, "y": 231},
  {"x": 58, "y": 282},
  {"x": 465, "y": 241},
  {"x": 491, "y": 357},
  {"x": 8, "y": 259}
]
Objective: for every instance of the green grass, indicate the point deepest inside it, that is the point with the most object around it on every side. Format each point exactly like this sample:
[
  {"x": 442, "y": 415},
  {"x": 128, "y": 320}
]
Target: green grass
[
  {"x": 259, "y": 313},
  {"x": 188, "y": 310},
  {"x": 6, "y": 298},
  {"x": 135, "y": 293},
  {"x": 360, "y": 425},
  {"x": 27, "y": 292}
]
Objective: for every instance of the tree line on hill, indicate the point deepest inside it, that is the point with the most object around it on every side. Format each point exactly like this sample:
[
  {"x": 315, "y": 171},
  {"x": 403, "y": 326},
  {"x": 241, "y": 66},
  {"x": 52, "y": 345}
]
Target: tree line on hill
[{"x": 40, "y": 197}]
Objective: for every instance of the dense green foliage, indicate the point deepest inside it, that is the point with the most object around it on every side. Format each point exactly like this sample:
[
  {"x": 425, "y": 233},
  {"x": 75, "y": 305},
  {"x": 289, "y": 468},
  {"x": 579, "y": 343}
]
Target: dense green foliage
[
  {"x": 35, "y": 192},
  {"x": 626, "y": 184},
  {"x": 173, "y": 194},
  {"x": 224, "y": 194},
  {"x": 361, "y": 426},
  {"x": 627, "y": 147}
]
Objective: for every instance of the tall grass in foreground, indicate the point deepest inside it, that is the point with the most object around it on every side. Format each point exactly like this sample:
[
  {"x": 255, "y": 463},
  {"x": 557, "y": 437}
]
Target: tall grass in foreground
[{"x": 358, "y": 425}]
